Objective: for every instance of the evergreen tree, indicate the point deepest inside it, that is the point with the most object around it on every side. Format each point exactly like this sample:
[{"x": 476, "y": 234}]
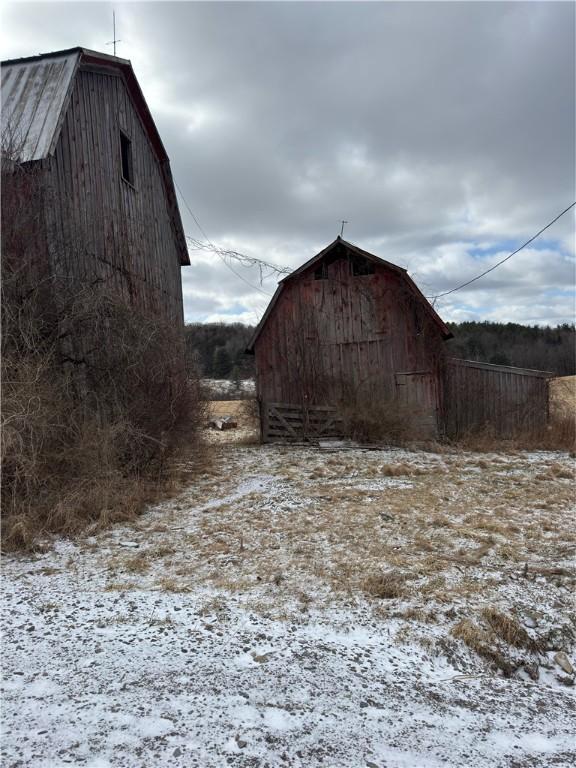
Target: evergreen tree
[{"x": 222, "y": 364}]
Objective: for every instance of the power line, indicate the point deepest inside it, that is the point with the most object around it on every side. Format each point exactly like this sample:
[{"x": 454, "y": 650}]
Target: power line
[
  {"x": 213, "y": 248},
  {"x": 495, "y": 266},
  {"x": 251, "y": 261},
  {"x": 191, "y": 212},
  {"x": 247, "y": 261}
]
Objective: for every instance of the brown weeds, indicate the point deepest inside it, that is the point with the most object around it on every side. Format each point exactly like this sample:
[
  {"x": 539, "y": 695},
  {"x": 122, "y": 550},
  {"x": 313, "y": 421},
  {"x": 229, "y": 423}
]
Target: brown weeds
[
  {"x": 374, "y": 421},
  {"x": 480, "y": 642},
  {"x": 388, "y": 585},
  {"x": 77, "y": 452},
  {"x": 508, "y": 629}
]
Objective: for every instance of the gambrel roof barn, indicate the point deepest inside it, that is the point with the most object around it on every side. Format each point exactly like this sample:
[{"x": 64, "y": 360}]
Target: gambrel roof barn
[
  {"x": 103, "y": 189},
  {"x": 347, "y": 325},
  {"x": 350, "y": 331}
]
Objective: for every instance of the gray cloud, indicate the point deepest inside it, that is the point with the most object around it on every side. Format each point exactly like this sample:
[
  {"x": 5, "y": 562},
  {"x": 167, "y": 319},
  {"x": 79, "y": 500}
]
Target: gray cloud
[{"x": 433, "y": 128}]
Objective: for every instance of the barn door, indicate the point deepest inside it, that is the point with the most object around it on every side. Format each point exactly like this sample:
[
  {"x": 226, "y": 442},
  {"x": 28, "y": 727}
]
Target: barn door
[{"x": 417, "y": 392}]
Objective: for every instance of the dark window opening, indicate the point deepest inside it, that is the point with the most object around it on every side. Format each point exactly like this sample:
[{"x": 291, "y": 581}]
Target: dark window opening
[
  {"x": 361, "y": 266},
  {"x": 418, "y": 326},
  {"x": 126, "y": 151},
  {"x": 321, "y": 272}
]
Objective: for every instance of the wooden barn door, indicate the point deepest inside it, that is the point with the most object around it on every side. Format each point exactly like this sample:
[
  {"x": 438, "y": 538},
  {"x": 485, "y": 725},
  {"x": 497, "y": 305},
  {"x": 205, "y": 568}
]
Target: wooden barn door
[{"x": 418, "y": 394}]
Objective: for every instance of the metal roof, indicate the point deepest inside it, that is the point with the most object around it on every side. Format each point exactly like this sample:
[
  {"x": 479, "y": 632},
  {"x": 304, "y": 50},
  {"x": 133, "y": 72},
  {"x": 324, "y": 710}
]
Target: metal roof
[
  {"x": 343, "y": 245},
  {"x": 34, "y": 94}
]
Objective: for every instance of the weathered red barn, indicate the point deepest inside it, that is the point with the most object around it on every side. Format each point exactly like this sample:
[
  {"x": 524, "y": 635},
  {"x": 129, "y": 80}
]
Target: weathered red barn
[
  {"x": 100, "y": 195},
  {"x": 346, "y": 325}
]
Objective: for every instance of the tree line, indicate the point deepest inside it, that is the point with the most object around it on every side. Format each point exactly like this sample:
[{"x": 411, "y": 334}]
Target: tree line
[
  {"x": 218, "y": 350},
  {"x": 522, "y": 346}
]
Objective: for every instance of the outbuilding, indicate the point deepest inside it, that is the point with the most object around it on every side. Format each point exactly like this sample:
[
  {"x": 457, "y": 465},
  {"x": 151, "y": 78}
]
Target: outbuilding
[{"x": 347, "y": 327}]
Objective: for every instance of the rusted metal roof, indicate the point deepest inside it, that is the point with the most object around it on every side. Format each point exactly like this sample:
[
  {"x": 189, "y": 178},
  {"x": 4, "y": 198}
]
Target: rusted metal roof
[
  {"x": 35, "y": 95},
  {"x": 339, "y": 243}
]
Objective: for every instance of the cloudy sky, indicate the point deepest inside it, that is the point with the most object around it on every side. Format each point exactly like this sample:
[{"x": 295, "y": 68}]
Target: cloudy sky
[{"x": 444, "y": 133}]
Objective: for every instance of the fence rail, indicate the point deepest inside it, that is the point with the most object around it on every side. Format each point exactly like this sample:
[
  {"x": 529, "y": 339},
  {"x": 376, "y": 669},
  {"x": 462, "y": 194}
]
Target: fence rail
[{"x": 287, "y": 422}]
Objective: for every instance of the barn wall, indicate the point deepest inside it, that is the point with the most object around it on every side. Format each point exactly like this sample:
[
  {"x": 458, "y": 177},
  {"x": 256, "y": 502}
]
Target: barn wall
[
  {"x": 24, "y": 246},
  {"x": 507, "y": 400},
  {"x": 103, "y": 229},
  {"x": 332, "y": 339}
]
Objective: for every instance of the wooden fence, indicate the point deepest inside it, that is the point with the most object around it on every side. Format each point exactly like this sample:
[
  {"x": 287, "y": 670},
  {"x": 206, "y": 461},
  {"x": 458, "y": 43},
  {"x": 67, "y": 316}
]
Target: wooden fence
[{"x": 505, "y": 399}]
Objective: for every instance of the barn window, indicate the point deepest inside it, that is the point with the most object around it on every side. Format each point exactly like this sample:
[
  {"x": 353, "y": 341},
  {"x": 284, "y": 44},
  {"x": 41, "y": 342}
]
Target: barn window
[
  {"x": 361, "y": 266},
  {"x": 321, "y": 272},
  {"x": 127, "y": 165},
  {"x": 418, "y": 323}
]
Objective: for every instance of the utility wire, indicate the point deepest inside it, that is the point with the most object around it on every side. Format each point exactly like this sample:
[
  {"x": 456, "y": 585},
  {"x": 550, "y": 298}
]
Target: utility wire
[
  {"x": 191, "y": 212},
  {"x": 249, "y": 261},
  {"x": 213, "y": 248},
  {"x": 273, "y": 268},
  {"x": 494, "y": 266}
]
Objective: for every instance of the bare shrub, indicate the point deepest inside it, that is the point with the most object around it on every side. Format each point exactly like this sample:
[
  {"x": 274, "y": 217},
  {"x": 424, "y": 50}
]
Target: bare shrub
[
  {"x": 367, "y": 420},
  {"x": 91, "y": 442},
  {"x": 96, "y": 398}
]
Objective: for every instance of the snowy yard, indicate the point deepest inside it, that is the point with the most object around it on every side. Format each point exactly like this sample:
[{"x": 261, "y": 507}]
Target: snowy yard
[{"x": 305, "y": 607}]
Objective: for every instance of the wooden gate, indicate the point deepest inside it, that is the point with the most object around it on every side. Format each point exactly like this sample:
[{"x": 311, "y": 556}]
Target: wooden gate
[{"x": 282, "y": 422}]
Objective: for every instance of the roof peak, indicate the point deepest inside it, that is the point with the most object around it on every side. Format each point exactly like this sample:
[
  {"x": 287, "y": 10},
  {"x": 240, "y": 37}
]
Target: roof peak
[{"x": 67, "y": 52}]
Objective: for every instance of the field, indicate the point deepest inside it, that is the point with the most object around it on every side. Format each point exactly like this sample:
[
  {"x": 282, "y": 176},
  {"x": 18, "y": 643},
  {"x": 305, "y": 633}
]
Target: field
[
  {"x": 307, "y": 607},
  {"x": 563, "y": 394}
]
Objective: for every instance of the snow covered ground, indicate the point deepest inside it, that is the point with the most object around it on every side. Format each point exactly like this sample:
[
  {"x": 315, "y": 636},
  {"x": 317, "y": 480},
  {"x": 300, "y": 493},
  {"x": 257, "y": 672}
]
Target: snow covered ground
[
  {"x": 225, "y": 388},
  {"x": 300, "y": 607}
]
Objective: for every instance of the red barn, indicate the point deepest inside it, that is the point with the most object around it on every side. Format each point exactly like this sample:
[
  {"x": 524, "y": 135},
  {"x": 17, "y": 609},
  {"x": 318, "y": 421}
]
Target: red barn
[{"x": 346, "y": 326}]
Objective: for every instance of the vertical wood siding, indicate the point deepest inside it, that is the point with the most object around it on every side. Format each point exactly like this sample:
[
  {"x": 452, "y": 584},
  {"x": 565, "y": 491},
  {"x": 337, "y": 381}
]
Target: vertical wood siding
[
  {"x": 328, "y": 338},
  {"x": 507, "y": 400},
  {"x": 101, "y": 227}
]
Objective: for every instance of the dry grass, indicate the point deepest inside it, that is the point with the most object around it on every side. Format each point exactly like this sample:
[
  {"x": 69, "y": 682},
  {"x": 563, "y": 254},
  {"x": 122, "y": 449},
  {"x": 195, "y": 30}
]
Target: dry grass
[
  {"x": 70, "y": 463},
  {"x": 424, "y": 535},
  {"x": 508, "y": 629},
  {"x": 558, "y": 435},
  {"x": 563, "y": 395},
  {"x": 390, "y": 585},
  {"x": 493, "y": 642},
  {"x": 220, "y": 408},
  {"x": 352, "y": 539},
  {"x": 367, "y": 421},
  {"x": 137, "y": 564},
  {"x": 398, "y": 470},
  {"x": 169, "y": 584},
  {"x": 121, "y": 586},
  {"x": 479, "y": 641}
]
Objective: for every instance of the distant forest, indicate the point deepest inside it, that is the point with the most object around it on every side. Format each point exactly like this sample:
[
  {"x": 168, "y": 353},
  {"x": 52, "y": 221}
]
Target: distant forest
[
  {"x": 218, "y": 349},
  {"x": 523, "y": 346}
]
